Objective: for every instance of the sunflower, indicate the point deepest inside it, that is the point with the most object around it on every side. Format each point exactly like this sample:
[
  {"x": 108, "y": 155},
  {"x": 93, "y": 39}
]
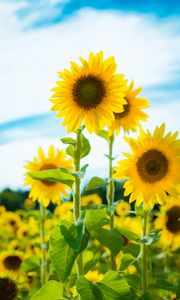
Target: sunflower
[
  {"x": 90, "y": 92},
  {"x": 45, "y": 191},
  {"x": 130, "y": 118},
  {"x": 169, "y": 221},
  {"x": 2, "y": 210},
  {"x": 64, "y": 211},
  {"x": 153, "y": 169},
  {"x": 11, "y": 221},
  {"x": 92, "y": 199},
  {"x": 11, "y": 261},
  {"x": 123, "y": 208},
  {"x": 9, "y": 287},
  {"x": 94, "y": 276}
]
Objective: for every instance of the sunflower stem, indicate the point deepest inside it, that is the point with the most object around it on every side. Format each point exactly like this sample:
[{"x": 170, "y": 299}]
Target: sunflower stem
[
  {"x": 144, "y": 254},
  {"x": 43, "y": 244},
  {"x": 110, "y": 192},
  {"x": 77, "y": 194}
]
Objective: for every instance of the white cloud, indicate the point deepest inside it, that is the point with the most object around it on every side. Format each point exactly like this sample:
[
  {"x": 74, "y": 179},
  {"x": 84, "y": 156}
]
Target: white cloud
[
  {"x": 14, "y": 155},
  {"x": 145, "y": 48}
]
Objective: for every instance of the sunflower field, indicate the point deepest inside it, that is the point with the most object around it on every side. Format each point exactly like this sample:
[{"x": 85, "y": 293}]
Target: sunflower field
[{"x": 117, "y": 237}]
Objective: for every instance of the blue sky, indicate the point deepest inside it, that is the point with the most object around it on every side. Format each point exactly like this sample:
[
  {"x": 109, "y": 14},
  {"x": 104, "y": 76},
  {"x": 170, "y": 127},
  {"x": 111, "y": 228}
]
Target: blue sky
[{"x": 41, "y": 37}]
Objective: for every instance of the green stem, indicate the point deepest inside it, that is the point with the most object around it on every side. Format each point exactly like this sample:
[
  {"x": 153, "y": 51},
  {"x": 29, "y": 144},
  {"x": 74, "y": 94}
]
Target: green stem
[
  {"x": 144, "y": 254},
  {"x": 110, "y": 193},
  {"x": 43, "y": 244},
  {"x": 77, "y": 194}
]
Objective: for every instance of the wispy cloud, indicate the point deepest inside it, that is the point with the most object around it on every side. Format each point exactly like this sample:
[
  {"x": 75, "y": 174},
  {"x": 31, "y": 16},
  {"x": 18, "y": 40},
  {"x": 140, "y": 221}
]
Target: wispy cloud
[
  {"x": 146, "y": 48},
  {"x": 41, "y": 13}
]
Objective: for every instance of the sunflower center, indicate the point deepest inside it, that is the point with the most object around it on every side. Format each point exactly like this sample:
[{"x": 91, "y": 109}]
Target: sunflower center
[
  {"x": 152, "y": 166},
  {"x": 12, "y": 262},
  {"x": 89, "y": 91},
  {"x": 125, "y": 111},
  {"x": 8, "y": 289},
  {"x": 48, "y": 166},
  {"x": 173, "y": 222}
]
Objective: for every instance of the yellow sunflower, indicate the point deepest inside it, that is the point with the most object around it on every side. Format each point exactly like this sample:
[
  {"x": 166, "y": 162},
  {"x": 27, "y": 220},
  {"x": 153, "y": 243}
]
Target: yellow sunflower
[
  {"x": 2, "y": 210},
  {"x": 153, "y": 167},
  {"x": 94, "y": 276},
  {"x": 46, "y": 191},
  {"x": 10, "y": 261},
  {"x": 93, "y": 199},
  {"x": 89, "y": 92},
  {"x": 64, "y": 211},
  {"x": 10, "y": 287},
  {"x": 130, "y": 118},
  {"x": 123, "y": 208},
  {"x": 169, "y": 221}
]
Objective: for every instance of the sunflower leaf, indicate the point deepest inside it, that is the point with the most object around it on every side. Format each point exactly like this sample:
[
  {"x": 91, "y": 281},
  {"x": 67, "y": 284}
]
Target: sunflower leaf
[
  {"x": 51, "y": 290},
  {"x": 95, "y": 183},
  {"x": 150, "y": 238},
  {"x": 104, "y": 134},
  {"x": 54, "y": 175},
  {"x": 68, "y": 140},
  {"x": 85, "y": 148},
  {"x": 70, "y": 150},
  {"x": 112, "y": 239}
]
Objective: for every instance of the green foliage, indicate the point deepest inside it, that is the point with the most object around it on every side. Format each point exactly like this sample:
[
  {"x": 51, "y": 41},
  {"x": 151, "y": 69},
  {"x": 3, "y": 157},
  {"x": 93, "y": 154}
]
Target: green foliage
[
  {"x": 79, "y": 174},
  {"x": 127, "y": 233},
  {"x": 104, "y": 134},
  {"x": 132, "y": 248},
  {"x": 86, "y": 147},
  {"x": 96, "y": 218},
  {"x": 150, "y": 238},
  {"x": 56, "y": 175},
  {"x": 112, "y": 239},
  {"x": 74, "y": 234},
  {"x": 112, "y": 287},
  {"x": 52, "y": 290},
  {"x": 127, "y": 260},
  {"x": 95, "y": 183},
  {"x": 13, "y": 200},
  {"x": 66, "y": 242},
  {"x": 68, "y": 140},
  {"x": 31, "y": 264}
]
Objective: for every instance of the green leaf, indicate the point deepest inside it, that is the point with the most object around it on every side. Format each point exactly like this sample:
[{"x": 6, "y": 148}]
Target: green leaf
[
  {"x": 112, "y": 239},
  {"x": 111, "y": 158},
  {"x": 31, "y": 264},
  {"x": 104, "y": 134},
  {"x": 88, "y": 290},
  {"x": 96, "y": 218},
  {"x": 68, "y": 140},
  {"x": 150, "y": 238},
  {"x": 85, "y": 148},
  {"x": 79, "y": 174},
  {"x": 74, "y": 233},
  {"x": 132, "y": 248},
  {"x": 127, "y": 260},
  {"x": 114, "y": 287},
  {"x": 84, "y": 168},
  {"x": 54, "y": 175},
  {"x": 133, "y": 280},
  {"x": 127, "y": 233},
  {"x": 70, "y": 150},
  {"x": 52, "y": 290},
  {"x": 111, "y": 209},
  {"x": 163, "y": 285},
  {"x": 61, "y": 254},
  {"x": 95, "y": 183}
]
